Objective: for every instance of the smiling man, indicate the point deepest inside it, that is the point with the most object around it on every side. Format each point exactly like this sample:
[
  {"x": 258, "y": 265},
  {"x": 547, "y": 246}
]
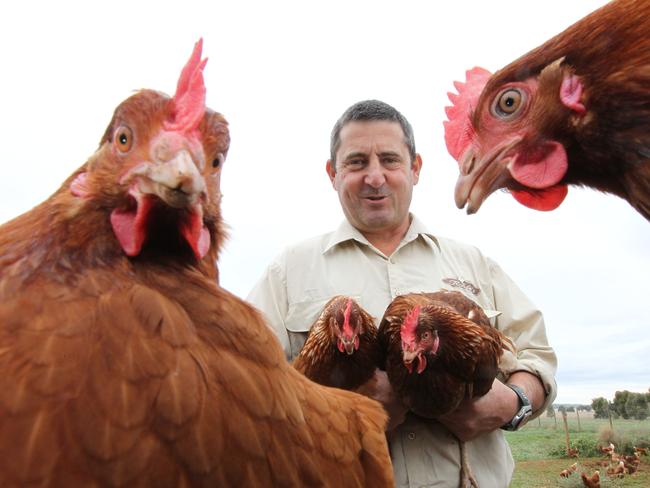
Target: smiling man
[
  {"x": 380, "y": 251},
  {"x": 374, "y": 168}
]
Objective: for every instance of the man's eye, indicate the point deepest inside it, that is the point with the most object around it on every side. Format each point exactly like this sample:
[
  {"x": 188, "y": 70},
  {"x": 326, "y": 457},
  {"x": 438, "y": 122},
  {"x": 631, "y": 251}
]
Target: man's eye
[{"x": 355, "y": 163}]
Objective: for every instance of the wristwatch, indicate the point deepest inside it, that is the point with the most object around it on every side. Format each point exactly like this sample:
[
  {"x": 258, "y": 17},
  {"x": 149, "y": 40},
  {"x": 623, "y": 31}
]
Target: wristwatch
[{"x": 524, "y": 413}]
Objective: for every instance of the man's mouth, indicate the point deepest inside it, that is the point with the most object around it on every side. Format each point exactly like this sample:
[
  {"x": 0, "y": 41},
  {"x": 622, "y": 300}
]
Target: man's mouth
[{"x": 374, "y": 198}]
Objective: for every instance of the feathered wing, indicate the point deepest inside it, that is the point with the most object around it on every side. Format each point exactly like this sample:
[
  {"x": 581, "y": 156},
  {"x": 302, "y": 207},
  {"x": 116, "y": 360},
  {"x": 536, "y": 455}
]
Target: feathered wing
[{"x": 138, "y": 388}]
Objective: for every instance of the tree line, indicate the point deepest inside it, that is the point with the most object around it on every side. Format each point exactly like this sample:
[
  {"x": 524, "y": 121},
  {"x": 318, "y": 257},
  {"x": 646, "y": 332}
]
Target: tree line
[{"x": 626, "y": 404}]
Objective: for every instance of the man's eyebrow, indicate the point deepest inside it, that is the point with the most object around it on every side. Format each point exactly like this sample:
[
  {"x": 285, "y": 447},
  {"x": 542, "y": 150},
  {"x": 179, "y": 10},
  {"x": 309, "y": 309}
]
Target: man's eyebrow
[
  {"x": 356, "y": 154},
  {"x": 360, "y": 154},
  {"x": 389, "y": 153}
]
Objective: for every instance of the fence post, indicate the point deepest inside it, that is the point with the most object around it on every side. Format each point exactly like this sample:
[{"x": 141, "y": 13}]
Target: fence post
[
  {"x": 566, "y": 431},
  {"x": 578, "y": 417}
]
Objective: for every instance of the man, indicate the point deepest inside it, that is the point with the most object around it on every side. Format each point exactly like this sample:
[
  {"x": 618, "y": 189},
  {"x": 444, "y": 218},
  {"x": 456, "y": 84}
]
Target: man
[{"x": 381, "y": 251}]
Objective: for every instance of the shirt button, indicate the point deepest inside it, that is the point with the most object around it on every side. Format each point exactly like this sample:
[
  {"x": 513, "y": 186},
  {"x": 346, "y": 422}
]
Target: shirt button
[{"x": 411, "y": 436}]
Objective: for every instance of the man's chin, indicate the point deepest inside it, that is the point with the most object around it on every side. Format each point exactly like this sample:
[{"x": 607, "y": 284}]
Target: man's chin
[{"x": 374, "y": 221}]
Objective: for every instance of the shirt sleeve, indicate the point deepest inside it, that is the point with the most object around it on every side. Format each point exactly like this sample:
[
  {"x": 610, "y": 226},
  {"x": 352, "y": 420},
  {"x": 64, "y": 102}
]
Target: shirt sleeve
[
  {"x": 269, "y": 295},
  {"x": 523, "y": 322}
]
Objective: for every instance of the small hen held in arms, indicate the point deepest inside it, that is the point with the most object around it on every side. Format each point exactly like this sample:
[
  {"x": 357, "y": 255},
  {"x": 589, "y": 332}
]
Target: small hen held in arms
[
  {"x": 441, "y": 349},
  {"x": 341, "y": 350},
  {"x": 574, "y": 111},
  {"x": 123, "y": 361}
]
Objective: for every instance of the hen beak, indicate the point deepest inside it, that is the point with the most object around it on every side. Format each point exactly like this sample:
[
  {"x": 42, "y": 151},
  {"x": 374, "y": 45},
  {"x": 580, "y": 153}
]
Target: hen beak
[
  {"x": 177, "y": 182},
  {"x": 409, "y": 356},
  {"x": 348, "y": 344},
  {"x": 482, "y": 176}
]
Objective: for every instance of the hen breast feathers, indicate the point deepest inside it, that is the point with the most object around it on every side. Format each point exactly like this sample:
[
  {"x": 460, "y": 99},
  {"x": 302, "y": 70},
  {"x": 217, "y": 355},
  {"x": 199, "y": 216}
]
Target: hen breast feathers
[{"x": 122, "y": 370}]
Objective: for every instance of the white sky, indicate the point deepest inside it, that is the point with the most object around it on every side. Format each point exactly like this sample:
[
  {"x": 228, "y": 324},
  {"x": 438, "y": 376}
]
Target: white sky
[{"x": 282, "y": 72}]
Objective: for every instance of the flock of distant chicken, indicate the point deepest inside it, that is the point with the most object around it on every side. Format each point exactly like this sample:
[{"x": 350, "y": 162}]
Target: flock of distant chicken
[{"x": 617, "y": 466}]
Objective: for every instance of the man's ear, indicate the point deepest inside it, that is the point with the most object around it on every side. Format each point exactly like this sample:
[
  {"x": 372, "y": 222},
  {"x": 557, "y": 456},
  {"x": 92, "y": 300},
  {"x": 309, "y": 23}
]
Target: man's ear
[
  {"x": 331, "y": 171},
  {"x": 416, "y": 166}
]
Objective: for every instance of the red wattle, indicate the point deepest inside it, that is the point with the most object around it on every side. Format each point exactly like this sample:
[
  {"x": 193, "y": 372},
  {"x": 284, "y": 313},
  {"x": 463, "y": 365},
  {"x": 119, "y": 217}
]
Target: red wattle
[
  {"x": 422, "y": 363},
  {"x": 129, "y": 226},
  {"x": 196, "y": 234},
  {"x": 544, "y": 200}
]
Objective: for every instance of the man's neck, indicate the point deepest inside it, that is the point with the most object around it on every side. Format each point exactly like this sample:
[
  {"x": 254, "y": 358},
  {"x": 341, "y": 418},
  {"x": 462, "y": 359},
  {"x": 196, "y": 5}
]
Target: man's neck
[{"x": 387, "y": 241}]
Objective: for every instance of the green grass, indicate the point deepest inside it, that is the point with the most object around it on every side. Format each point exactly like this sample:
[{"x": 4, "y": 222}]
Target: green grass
[{"x": 539, "y": 451}]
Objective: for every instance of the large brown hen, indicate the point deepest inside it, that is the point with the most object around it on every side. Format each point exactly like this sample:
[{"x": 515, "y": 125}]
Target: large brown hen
[
  {"x": 342, "y": 349},
  {"x": 573, "y": 111},
  {"x": 440, "y": 349},
  {"x": 122, "y": 362}
]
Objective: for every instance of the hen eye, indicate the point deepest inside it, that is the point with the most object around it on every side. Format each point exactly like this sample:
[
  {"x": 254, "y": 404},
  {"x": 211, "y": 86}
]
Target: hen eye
[
  {"x": 508, "y": 103},
  {"x": 426, "y": 336},
  {"x": 216, "y": 162},
  {"x": 123, "y": 138}
]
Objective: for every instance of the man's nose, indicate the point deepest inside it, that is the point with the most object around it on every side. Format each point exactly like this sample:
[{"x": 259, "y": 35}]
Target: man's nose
[{"x": 375, "y": 177}]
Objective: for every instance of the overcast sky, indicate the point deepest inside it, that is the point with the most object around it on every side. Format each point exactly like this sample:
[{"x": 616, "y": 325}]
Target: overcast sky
[{"x": 282, "y": 72}]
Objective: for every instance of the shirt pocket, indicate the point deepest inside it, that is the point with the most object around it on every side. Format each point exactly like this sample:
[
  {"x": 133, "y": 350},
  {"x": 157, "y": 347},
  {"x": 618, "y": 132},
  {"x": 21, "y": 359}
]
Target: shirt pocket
[{"x": 301, "y": 316}]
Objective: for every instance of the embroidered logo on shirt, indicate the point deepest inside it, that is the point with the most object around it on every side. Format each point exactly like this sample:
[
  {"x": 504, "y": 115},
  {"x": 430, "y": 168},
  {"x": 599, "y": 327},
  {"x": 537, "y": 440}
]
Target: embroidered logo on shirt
[{"x": 465, "y": 285}]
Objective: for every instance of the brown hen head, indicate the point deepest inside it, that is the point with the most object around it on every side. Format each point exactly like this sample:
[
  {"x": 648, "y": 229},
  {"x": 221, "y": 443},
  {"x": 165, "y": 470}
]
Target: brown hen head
[
  {"x": 419, "y": 338},
  {"x": 499, "y": 133},
  {"x": 346, "y": 324},
  {"x": 157, "y": 171},
  {"x": 573, "y": 111}
]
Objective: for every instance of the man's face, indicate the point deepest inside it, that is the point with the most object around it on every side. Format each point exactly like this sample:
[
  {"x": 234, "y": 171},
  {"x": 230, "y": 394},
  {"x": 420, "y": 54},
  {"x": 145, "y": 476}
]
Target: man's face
[{"x": 374, "y": 175}]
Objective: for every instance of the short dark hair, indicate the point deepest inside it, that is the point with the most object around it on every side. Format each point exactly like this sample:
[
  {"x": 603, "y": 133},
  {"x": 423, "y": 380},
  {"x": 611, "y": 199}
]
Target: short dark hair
[{"x": 368, "y": 110}]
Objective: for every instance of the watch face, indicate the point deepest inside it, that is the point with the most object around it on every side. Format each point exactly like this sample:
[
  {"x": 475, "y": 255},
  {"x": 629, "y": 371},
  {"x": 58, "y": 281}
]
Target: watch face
[{"x": 526, "y": 412}]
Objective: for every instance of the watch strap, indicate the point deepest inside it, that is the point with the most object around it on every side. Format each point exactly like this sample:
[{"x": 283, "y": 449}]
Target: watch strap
[{"x": 524, "y": 412}]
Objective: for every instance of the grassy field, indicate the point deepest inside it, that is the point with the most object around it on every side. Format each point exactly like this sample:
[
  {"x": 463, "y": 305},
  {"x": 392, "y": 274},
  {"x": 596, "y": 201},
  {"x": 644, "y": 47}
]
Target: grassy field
[{"x": 539, "y": 451}]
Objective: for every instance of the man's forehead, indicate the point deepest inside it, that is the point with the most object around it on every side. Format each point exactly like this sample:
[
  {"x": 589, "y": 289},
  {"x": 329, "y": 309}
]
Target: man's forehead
[{"x": 372, "y": 136}]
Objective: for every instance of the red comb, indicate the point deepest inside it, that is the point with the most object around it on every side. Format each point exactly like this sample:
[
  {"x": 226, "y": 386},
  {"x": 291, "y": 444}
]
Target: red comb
[
  {"x": 347, "y": 330},
  {"x": 458, "y": 130},
  {"x": 407, "y": 331},
  {"x": 189, "y": 99}
]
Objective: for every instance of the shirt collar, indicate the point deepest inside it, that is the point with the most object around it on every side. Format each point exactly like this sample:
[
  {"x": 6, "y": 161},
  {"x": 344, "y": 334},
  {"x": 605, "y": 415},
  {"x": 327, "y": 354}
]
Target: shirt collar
[{"x": 346, "y": 232}]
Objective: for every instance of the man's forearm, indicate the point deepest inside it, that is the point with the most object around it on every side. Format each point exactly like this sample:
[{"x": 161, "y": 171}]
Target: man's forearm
[{"x": 531, "y": 385}]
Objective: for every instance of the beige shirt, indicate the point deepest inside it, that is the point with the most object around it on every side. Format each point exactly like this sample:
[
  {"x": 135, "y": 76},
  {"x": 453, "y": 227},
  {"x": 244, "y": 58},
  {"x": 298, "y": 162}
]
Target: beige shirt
[{"x": 298, "y": 283}]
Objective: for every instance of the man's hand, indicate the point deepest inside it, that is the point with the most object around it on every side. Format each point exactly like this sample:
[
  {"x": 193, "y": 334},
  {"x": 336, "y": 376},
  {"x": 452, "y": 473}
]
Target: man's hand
[
  {"x": 484, "y": 414},
  {"x": 494, "y": 409},
  {"x": 378, "y": 388}
]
